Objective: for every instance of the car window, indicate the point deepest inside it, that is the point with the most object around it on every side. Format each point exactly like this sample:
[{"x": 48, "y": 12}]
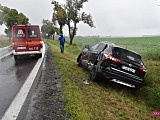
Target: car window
[
  {"x": 94, "y": 47},
  {"x": 126, "y": 54},
  {"x": 20, "y": 33},
  {"x": 101, "y": 46},
  {"x": 32, "y": 32}
]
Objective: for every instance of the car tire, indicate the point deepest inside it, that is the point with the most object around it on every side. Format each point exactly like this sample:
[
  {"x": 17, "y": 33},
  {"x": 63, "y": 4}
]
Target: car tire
[
  {"x": 137, "y": 87},
  {"x": 38, "y": 56},
  {"x": 93, "y": 74},
  {"x": 16, "y": 57},
  {"x": 80, "y": 61}
]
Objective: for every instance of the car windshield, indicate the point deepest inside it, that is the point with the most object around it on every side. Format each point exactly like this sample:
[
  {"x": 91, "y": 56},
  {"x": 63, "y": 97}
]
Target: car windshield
[{"x": 126, "y": 55}]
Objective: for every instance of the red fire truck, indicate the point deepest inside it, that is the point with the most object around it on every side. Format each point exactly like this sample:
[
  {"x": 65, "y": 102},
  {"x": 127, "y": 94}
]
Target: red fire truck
[{"x": 26, "y": 40}]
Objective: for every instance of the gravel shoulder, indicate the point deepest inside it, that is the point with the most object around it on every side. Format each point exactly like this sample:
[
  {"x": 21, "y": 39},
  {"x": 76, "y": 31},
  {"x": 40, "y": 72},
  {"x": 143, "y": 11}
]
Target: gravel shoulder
[{"x": 47, "y": 99}]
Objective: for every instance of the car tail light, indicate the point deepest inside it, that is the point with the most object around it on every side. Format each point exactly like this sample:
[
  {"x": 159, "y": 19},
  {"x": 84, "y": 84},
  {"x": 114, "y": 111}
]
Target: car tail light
[
  {"x": 13, "y": 45},
  {"x": 109, "y": 57},
  {"x": 143, "y": 69}
]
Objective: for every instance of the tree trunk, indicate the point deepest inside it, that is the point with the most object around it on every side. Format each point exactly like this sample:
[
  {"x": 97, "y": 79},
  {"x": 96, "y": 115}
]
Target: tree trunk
[
  {"x": 71, "y": 40},
  {"x": 69, "y": 29},
  {"x": 72, "y": 33},
  {"x": 61, "y": 27}
]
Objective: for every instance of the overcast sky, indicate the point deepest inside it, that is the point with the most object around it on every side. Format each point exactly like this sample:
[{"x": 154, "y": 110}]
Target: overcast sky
[{"x": 111, "y": 17}]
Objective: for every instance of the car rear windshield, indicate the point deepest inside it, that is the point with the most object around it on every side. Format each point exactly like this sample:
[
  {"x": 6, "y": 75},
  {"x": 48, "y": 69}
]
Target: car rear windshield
[{"x": 122, "y": 53}]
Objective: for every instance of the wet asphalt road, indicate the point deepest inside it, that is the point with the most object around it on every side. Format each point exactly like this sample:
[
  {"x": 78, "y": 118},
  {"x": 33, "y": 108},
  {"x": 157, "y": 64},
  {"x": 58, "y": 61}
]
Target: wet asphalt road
[
  {"x": 12, "y": 76},
  {"x": 4, "y": 51}
]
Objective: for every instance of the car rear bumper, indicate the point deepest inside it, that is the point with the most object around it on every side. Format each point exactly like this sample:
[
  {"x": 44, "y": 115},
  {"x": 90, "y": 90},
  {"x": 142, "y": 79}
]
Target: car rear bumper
[
  {"x": 113, "y": 73},
  {"x": 26, "y": 52}
]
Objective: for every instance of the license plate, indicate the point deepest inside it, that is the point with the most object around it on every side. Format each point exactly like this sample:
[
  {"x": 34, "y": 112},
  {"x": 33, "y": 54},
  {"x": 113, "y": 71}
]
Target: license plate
[
  {"x": 20, "y": 48},
  {"x": 33, "y": 48},
  {"x": 128, "y": 69}
]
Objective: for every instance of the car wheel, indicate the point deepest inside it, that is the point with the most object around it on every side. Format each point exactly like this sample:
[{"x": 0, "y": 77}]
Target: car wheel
[
  {"x": 38, "y": 56},
  {"x": 80, "y": 61},
  {"x": 93, "y": 73},
  {"x": 137, "y": 87},
  {"x": 16, "y": 57}
]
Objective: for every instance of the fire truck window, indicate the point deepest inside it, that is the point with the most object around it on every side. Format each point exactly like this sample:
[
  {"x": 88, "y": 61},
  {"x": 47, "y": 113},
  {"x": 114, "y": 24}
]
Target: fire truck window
[
  {"x": 20, "y": 33},
  {"x": 32, "y": 33}
]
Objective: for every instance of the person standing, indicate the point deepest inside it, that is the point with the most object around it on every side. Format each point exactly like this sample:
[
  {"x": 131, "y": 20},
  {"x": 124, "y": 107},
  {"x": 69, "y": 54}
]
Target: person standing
[{"x": 62, "y": 42}]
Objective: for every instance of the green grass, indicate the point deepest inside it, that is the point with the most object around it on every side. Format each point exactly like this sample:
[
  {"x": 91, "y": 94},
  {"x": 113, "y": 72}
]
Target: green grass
[
  {"x": 108, "y": 101},
  {"x": 4, "y": 43}
]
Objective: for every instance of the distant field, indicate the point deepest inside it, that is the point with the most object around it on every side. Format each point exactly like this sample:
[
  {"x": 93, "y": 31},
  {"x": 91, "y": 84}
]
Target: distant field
[{"x": 143, "y": 45}]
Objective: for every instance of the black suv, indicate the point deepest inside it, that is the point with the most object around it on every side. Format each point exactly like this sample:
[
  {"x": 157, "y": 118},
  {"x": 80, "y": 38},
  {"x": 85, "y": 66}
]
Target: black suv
[{"x": 114, "y": 63}]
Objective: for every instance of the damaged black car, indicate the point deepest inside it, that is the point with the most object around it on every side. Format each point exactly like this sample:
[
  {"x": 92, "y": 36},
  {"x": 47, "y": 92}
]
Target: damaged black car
[{"x": 111, "y": 62}]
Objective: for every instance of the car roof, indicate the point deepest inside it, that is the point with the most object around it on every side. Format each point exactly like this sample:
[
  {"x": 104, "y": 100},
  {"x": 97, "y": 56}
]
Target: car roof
[
  {"x": 16, "y": 26},
  {"x": 109, "y": 43}
]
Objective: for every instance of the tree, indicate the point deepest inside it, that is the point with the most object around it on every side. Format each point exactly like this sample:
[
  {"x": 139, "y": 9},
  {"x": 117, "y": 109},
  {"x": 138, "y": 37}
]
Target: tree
[
  {"x": 73, "y": 8},
  {"x": 1, "y": 15},
  {"x": 11, "y": 16},
  {"x": 48, "y": 28},
  {"x": 22, "y": 19},
  {"x": 72, "y": 15},
  {"x": 59, "y": 15},
  {"x": 3, "y": 12}
]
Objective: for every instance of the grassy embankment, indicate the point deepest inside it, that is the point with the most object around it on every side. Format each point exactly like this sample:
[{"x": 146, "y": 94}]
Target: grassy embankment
[
  {"x": 4, "y": 43},
  {"x": 109, "y": 101}
]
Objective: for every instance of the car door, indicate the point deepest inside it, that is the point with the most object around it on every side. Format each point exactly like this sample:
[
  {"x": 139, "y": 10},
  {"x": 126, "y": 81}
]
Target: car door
[
  {"x": 86, "y": 54},
  {"x": 33, "y": 38},
  {"x": 19, "y": 38},
  {"x": 95, "y": 52}
]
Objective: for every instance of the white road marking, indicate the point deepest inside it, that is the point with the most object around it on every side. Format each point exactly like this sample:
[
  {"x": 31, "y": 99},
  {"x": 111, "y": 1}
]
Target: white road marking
[
  {"x": 4, "y": 48},
  {"x": 5, "y": 55}
]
